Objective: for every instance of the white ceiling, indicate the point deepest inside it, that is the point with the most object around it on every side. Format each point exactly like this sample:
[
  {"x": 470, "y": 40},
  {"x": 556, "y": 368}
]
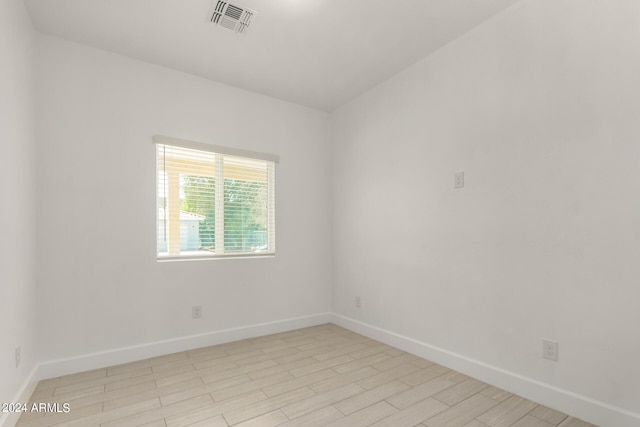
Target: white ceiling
[{"x": 318, "y": 53}]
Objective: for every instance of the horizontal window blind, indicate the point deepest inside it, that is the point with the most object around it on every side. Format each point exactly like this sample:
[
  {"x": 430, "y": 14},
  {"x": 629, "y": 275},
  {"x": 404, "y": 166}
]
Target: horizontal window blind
[{"x": 212, "y": 204}]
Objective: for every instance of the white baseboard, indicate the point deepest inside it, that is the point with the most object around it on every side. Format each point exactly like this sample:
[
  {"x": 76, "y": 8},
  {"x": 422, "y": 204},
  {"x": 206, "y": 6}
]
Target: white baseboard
[
  {"x": 583, "y": 407},
  {"x": 86, "y": 362},
  {"x": 579, "y": 406},
  {"x": 10, "y": 419}
]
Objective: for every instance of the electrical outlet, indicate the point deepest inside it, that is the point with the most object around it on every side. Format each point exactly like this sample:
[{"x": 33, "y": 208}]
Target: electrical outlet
[
  {"x": 18, "y": 356},
  {"x": 458, "y": 180},
  {"x": 196, "y": 311},
  {"x": 358, "y": 301},
  {"x": 550, "y": 350}
]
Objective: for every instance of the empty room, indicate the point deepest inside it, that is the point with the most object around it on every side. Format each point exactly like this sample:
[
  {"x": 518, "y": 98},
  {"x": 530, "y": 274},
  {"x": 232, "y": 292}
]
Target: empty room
[{"x": 320, "y": 213}]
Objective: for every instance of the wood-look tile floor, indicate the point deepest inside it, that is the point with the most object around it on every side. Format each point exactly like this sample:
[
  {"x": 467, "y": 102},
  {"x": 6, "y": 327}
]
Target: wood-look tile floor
[{"x": 318, "y": 376}]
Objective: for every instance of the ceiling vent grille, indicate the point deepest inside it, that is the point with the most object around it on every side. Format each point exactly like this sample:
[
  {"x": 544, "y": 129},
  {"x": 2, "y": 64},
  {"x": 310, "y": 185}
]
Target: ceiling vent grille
[{"x": 231, "y": 15}]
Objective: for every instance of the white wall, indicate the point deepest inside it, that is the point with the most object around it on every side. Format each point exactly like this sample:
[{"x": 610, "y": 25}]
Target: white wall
[
  {"x": 101, "y": 286},
  {"x": 18, "y": 205},
  {"x": 540, "y": 107}
]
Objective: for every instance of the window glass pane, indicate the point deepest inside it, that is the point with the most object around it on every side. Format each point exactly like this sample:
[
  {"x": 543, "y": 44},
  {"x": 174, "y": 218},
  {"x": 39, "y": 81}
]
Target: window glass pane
[
  {"x": 197, "y": 210},
  {"x": 245, "y": 216}
]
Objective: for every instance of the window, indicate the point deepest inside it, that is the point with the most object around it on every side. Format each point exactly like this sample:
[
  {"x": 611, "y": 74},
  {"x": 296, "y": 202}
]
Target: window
[{"x": 213, "y": 201}]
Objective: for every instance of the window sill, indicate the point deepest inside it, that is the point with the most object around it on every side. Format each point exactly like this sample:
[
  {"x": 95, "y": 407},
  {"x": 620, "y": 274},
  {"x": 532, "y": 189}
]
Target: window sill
[{"x": 214, "y": 257}]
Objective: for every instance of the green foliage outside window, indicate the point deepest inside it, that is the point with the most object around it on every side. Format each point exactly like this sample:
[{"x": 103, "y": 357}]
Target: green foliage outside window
[{"x": 245, "y": 214}]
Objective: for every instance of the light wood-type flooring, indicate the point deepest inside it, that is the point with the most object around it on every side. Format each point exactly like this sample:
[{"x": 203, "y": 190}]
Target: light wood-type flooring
[{"x": 318, "y": 376}]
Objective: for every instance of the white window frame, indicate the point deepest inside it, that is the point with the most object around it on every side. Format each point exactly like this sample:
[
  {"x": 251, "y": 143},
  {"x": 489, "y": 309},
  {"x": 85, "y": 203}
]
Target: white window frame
[{"x": 173, "y": 252}]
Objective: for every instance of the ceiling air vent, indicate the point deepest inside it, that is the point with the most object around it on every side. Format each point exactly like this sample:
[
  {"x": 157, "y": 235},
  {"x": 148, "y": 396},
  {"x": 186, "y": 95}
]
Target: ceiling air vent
[{"x": 231, "y": 15}]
